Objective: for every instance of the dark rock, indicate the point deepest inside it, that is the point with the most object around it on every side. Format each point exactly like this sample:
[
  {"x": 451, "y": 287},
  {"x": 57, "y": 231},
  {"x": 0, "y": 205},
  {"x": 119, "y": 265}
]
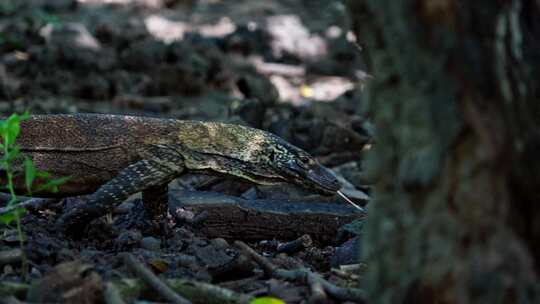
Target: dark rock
[
  {"x": 70, "y": 35},
  {"x": 179, "y": 79},
  {"x": 264, "y": 218},
  {"x": 73, "y": 47},
  {"x": 120, "y": 31},
  {"x": 211, "y": 255},
  {"x": 343, "y": 59},
  {"x": 128, "y": 239},
  {"x": 70, "y": 282},
  {"x": 93, "y": 87},
  {"x": 146, "y": 104},
  {"x": 54, "y": 6},
  {"x": 90, "y": 254},
  {"x": 248, "y": 40},
  {"x": 348, "y": 253},
  {"x": 151, "y": 243},
  {"x": 221, "y": 263},
  {"x": 220, "y": 243},
  {"x": 143, "y": 55}
]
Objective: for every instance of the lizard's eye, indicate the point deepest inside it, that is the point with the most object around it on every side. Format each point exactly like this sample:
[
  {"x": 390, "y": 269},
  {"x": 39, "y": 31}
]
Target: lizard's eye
[
  {"x": 304, "y": 158},
  {"x": 303, "y": 161}
]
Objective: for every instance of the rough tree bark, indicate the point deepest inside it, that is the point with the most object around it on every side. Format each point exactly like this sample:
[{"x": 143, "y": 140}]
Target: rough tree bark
[{"x": 456, "y": 101}]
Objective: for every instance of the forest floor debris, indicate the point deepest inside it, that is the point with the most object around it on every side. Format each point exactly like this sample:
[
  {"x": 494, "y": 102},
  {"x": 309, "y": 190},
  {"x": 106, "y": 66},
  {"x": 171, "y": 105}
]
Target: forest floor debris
[{"x": 224, "y": 61}]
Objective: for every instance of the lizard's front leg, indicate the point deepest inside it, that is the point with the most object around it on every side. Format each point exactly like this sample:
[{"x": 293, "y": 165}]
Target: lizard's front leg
[
  {"x": 137, "y": 177},
  {"x": 155, "y": 202}
]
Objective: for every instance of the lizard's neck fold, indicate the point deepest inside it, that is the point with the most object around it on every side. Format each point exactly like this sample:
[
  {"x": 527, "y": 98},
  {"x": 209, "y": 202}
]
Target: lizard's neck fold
[{"x": 233, "y": 141}]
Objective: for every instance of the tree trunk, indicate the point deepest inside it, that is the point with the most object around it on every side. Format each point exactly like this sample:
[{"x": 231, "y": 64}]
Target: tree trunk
[{"x": 456, "y": 101}]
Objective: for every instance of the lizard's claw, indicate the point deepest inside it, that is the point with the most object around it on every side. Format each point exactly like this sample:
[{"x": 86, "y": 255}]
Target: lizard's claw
[{"x": 75, "y": 217}]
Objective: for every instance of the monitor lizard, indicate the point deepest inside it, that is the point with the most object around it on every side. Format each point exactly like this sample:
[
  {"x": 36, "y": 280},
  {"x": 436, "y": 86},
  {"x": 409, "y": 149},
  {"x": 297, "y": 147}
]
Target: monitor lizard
[{"x": 111, "y": 157}]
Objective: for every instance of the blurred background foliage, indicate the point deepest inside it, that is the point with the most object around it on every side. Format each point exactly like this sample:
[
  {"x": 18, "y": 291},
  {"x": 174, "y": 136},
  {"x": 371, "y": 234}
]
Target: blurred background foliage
[{"x": 455, "y": 162}]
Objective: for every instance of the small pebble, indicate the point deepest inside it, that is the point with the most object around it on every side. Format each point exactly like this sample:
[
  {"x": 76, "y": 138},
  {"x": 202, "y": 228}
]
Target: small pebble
[
  {"x": 8, "y": 270},
  {"x": 220, "y": 243},
  {"x": 151, "y": 243},
  {"x": 35, "y": 273},
  {"x": 89, "y": 254},
  {"x": 129, "y": 237}
]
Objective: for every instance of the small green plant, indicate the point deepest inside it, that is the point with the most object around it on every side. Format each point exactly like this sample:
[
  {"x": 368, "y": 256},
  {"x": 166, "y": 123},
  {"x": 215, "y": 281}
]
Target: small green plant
[
  {"x": 10, "y": 164},
  {"x": 266, "y": 300},
  {"x": 9, "y": 41}
]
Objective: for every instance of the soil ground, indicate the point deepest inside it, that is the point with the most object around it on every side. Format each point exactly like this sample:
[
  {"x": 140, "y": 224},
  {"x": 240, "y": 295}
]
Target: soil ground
[{"x": 289, "y": 67}]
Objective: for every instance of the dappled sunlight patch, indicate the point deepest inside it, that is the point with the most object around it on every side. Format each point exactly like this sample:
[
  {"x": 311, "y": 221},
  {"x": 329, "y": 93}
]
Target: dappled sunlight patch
[
  {"x": 167, "y": 30},
  {"x": 144, "y": 3},
  {"x": 292, "y": 86},
  {"x": 292, "y": 36},
  {"x": 222, "y": 28},
  {"x": 164, "y": 29},
  {"x": 326, "y": 88},
  {"x": 75, "y": 34}
]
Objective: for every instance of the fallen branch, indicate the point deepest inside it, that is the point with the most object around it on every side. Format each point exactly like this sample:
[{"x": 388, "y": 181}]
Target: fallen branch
[
  {"x": 10, "y": 256},
  {"x": 318, "y": 295},
  {"x": 30, "y": 204},
  {"x": 152, "y": 280},
  {"x": 197, "y": 292},
  {"x": 18, "y": 290},
  {"x": 294, "y": 246},
  {"x": 6, "y": 197},
  {"x": 112, "y": 294},
  {"x": 12, "y": 300},
  {"x": 304, "y": 276},
  {"x": 268, "y": 68}
]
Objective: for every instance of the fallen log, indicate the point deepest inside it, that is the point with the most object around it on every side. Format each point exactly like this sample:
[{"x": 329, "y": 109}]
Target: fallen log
[{"x": 236, "y": 218}]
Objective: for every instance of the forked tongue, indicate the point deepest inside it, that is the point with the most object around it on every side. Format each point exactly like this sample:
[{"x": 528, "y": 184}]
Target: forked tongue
[{"x": 351, "y": 202}]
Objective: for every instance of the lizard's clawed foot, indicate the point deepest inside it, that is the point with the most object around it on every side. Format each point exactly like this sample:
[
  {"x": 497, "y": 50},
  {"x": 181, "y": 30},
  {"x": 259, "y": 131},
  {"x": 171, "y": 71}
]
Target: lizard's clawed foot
[{"x": 77, "y": 214}]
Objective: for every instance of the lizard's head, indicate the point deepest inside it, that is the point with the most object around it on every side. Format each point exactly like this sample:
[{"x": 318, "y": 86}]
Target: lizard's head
[
  {"x": 297, "y": 166},
  {"x": 255, "y": 155}
]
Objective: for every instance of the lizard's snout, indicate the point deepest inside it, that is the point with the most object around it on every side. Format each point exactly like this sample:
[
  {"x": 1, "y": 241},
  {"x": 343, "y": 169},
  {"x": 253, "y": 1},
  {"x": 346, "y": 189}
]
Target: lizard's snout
[
  {"x": 324, "y": 179},
  {"x": 316, "y": 176}
]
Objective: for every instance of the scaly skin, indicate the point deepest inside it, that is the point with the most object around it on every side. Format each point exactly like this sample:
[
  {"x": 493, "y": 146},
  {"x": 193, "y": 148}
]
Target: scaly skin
[{"x": 114, "y": 156}]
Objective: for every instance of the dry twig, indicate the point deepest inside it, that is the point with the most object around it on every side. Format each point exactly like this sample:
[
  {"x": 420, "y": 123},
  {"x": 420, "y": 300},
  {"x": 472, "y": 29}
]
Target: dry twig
[
  {"x": 302, "y": 275},
  {"x": 30, "y": 204},
  {"x": 112, "y": 295},
  {"x": 153, "y": 281},
  {"x": 198, "y": 292},
  {"x": 10, "y": 256},
  {"x": 300, "y": 243}
]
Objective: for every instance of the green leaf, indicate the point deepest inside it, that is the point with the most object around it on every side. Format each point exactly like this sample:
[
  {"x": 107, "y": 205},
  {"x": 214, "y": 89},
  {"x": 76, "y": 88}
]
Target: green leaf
[
  {"x": 20, "y": 212},
  {"x": 25, "y": 115},
  {"x": 52, "y": 185},
  {"x": 8, "y": 217},
  {"x": 12, "y": 129},
  {"x": 29, "y": 174},
  {"x": 11, "y": 155},
  {"x": 266, "y": 300},
  {"x": 43, "y": 174}
]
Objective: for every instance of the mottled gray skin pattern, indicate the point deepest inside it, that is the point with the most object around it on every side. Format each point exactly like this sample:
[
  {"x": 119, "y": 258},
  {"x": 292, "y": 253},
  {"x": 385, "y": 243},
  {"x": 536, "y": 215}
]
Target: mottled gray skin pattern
[{"x": 114, "y": 156}]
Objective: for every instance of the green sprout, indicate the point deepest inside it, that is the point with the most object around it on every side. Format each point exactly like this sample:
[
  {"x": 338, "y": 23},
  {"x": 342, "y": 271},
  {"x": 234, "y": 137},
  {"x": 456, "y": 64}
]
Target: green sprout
[
  {"x": 11, "y": 158},
  {"x": 267, "y": 300}
]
